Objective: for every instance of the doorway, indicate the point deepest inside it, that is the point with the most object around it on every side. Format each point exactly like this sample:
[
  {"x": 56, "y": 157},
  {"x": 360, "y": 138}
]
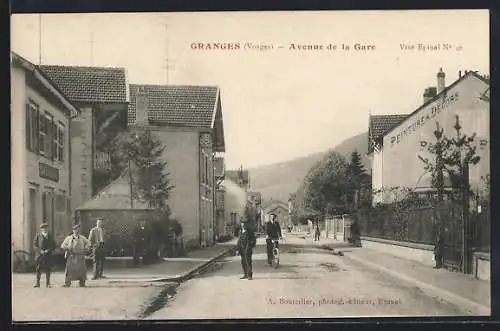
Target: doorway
[{"x": 32, "y": 223}]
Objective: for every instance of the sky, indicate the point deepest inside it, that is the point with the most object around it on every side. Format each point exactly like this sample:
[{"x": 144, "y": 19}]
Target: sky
[{"x": 278, "y": 103}]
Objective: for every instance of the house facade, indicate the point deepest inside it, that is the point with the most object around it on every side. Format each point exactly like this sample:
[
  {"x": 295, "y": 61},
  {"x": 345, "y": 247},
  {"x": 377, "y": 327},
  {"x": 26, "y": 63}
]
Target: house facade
[
  {"x": 40, "y": 155},
  {"x": 101, "y": 95},
  {"x": 188, "y": 120},
  {"x": 395, "y": 152}
]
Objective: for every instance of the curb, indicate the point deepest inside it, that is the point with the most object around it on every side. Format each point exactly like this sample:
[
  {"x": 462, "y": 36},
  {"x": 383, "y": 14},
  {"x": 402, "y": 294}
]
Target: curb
[
  {"x": 432, "y": 291},
  {"x": 180, "y": 278}
]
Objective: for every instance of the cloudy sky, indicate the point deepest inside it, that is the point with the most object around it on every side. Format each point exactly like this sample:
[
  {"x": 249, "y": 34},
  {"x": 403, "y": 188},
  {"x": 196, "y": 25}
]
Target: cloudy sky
[{"x": 278, "y": 104}]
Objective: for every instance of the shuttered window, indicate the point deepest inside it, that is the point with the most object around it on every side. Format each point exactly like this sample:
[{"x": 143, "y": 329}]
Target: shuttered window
[
  {"x": 32, "y": 125},
  {"x": 60, "y": 142},
  {"x": 29, "y": 143}
]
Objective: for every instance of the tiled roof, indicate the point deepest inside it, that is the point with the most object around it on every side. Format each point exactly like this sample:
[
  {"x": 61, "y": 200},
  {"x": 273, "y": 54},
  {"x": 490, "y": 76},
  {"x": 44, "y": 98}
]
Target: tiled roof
[
  {"x": 115, "y": 196},
  {"x": 183, "y": 105},
  {"x": 380, "y": 124},
  {"x": 89, "y": 84}
]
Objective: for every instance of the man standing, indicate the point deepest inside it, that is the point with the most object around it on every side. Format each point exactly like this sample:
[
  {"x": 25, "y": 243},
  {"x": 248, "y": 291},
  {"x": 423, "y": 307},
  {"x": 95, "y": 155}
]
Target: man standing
[
  {"x": 273, "y": 233},
  {"x": 96, "y": 238},
  {"x": 246, "y": 243},
  {"x": 44, "y": 245},
  {"x": 75, "y": 248}
]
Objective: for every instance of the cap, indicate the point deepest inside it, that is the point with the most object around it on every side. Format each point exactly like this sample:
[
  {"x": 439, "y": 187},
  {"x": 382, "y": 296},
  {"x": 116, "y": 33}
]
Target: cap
[
  {"x": 44, "y": 225},
  {"x": 76, "y": 226}
]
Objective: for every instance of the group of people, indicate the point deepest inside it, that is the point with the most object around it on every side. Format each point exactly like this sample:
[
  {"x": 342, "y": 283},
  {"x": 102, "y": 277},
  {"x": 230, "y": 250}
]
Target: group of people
[
  {"x": 75, "y": 248},
  {"x": 247, "y": 241}
]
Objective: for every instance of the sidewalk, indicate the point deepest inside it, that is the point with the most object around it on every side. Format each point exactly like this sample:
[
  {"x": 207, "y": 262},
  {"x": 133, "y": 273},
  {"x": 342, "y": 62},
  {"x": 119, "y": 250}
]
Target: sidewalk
[
  {"x": 119, "y": 296},
  {"x": 463, "y": 290}
]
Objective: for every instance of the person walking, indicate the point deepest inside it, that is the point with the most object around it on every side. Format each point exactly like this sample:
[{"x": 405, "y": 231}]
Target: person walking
[
  {"x": 44, "y": 245},
  {"x": 96, "y": 238},
  {"x": 273, "y": 233},
  {"x": 75, "y": 247},
  {"x": 246, "y": 243},
  {"x": 317, "y": 233}
]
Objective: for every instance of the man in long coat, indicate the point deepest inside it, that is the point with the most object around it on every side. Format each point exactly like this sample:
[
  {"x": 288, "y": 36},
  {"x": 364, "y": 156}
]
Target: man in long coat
[
  {"x": 75, "y": 247},
  {"x": 246, "y": 243},
  {"x": 44, "y": 245},
  {"x": 96, "y": 238}
]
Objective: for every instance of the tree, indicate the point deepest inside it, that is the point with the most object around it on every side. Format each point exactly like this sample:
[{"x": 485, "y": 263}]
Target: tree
[
  {"x": 452, "y": 156},
  {"x": 326, "y": 184},
  {"x": 149, "y": 174},
  {"x": 357, "y": 178}
]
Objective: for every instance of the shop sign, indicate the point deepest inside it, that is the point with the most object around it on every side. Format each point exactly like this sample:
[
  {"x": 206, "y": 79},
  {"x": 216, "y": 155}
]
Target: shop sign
[{"x": 48, "y": 172}]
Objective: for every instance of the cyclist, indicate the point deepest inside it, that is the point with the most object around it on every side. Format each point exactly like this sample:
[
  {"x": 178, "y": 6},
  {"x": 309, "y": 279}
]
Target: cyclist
[{"x": 273, "y": 234}]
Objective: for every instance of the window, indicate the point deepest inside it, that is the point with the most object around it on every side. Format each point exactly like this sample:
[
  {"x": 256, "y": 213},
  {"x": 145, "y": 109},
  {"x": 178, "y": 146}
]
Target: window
[
  {"x": 44, "y": 139},
  {"x": 32, "y": 124},
  {"x": 206, "y": 169},
  {"x": 59, "y": 142}
]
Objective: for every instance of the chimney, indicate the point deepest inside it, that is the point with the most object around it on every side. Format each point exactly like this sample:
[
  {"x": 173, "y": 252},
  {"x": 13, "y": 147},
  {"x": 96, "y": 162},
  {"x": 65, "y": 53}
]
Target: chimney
[
  {"x": 429, "y": 93},
  {"x": 141, "y": 107},
  {"x": 440, "y": 81}
]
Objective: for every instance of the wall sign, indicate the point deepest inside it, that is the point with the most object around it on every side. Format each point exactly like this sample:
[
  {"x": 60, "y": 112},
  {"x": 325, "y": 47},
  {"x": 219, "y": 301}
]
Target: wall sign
[
  {"x": 48, "y": 172},
  {"x": 419, "y": 120}
]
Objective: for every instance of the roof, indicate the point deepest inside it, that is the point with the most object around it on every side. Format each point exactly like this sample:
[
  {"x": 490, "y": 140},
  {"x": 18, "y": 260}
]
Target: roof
[
  {"x": 89, "y": 84},
  {"x": 116, "y": 196},
  {"x": 443, "y": 92},
  {"x": 46, "y": 82},
  {"x": 182, "y": 105},
  {"x": 380, "y": 124}
]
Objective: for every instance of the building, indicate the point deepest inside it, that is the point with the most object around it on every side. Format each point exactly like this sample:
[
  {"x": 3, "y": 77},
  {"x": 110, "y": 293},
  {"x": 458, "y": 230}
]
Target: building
[
  {"x": 397, "y": 140},
  {"x": 280, "y": 209},
  {"x": 188, "y": 120},
  {"x": 101, "y": 95},
  {"x": 40, "y": 155},
  {"x": 240, "y": 177}
]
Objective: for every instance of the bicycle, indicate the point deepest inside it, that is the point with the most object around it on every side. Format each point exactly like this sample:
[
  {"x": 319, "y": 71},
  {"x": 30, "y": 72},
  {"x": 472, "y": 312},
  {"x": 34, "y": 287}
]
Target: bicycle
[{"x": 276, "y": 255}]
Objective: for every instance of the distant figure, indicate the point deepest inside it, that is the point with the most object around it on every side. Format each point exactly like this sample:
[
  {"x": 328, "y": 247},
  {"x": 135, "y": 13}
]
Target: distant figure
[
  {"x": 75, "y": 248},
  {"x": 96, "y": 238},
  {"x": 273, "y": 233},
  {"x": 317, "y": 233},
  {"x": 44, "y": 245},
  {"x": 246, "y": 243}
]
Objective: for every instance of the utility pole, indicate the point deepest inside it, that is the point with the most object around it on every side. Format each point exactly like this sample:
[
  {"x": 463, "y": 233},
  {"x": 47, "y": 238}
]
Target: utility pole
[
  {"x": 39, "y": 39},
  {"x": 91, "y": 47},
  {"x": 168, "y": 62}
]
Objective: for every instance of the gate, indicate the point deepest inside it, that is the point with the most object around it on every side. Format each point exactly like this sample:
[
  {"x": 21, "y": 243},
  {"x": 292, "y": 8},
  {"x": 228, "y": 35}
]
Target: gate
[{"x": 452, "y": 245}]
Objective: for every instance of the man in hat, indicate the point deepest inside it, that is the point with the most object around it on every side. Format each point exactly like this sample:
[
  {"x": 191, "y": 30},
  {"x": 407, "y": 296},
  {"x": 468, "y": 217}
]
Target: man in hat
[
  {"x": 273, "y": 233},
  {"x": 75, "y": 247},
  {"x": 44, "y": 246},
  {"x": 96, "y": 238},
  {"x": 246, "y": 243}
]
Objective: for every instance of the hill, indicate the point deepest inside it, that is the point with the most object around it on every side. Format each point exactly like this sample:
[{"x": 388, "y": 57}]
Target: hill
[{"x": 278, "y": 180}]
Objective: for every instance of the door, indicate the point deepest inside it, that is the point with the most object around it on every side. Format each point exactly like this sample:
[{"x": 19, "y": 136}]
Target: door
[
  {"x": 48, "y": 210},
  {"x": 32, "y": 223}
]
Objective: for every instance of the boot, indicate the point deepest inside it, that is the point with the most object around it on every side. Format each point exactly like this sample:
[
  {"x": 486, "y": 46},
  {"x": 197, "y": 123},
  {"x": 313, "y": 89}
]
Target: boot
[
  {"x": 244, "y": 277},
  {"x": 47, "y": 279},
  {"x": 250, "y": 276},
  {"x": 38, "y": 276}
]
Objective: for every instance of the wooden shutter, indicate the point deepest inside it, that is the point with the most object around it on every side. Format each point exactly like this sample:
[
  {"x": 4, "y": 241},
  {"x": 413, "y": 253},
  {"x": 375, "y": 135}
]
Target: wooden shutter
[
  {"x": 28, "y": 127},
  {"x": 36, "y": 129}
]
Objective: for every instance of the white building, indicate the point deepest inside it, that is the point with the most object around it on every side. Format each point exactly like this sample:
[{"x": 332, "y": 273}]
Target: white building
[
  {"x": 40, "y": 155},
  {"x": 396, "y": 140}
]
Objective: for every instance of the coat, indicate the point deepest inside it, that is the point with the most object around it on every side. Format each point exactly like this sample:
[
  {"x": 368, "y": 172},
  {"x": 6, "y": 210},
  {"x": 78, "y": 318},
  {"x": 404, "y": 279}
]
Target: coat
[
  {"x": 44, "y": 247},
  {"x": 76, "y": 248},
  {"x": 273, "y": 230},
  {"x": 246, "y": 241}
]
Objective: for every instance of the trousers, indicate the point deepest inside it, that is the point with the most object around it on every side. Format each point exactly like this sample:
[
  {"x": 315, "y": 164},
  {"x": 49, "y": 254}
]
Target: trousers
[
  {"x": 98, "y": 261},
  {"x": 246, "y": 262}
]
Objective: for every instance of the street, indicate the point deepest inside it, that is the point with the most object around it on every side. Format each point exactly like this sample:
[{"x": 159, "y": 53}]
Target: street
[{"x": 310, "y": 282}]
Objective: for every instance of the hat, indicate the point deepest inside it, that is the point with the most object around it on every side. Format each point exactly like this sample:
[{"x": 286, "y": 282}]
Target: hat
[
  {"x": 44, "y": 225},
  {"x": 76, "y": 226}
]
